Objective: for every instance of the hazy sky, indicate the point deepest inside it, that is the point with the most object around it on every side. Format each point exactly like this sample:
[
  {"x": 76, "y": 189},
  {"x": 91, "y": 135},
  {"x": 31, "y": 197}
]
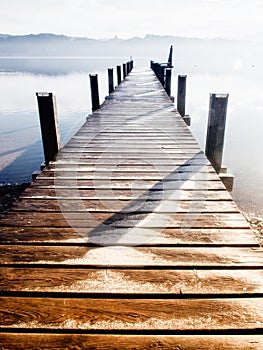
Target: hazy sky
[{"x": 128, "y": 18}]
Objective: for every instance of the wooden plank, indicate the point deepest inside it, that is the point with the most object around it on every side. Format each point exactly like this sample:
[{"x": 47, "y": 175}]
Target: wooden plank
[
  {"x": 131, "y": 314},
  {"x": 29, "y": 341},
  {"x": 119, "y": 256},
  {"x": 141, "y": 205},
  {"x": 149, "y": 167},
  {"x": 130, "y": 281},
  {"x": 165, "y": 164},
  {"x": 172, "y": 178},
  {"x": 179, "y": 236},
  {"x": 158, "y": 158},
  {"x": 69, "y": 189},
  {"x": 127, "y": 220}
]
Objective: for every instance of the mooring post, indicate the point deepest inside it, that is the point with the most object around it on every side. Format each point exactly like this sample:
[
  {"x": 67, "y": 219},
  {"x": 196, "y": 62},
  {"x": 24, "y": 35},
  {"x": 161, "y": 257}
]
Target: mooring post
[
  {"x": 216, "y": 129},
  {"x": 156, "y": 68},
  {"x": 168, "y": 78},
  {"x": 118, "y": 75},
  {"x": 49, "y": 125},
  {"x": 170, "y": 57},
  {"x": 124, "y": 70},
  {"x": 111, "y": 82},
  {"x": 131, "y": 65},
  {"x": 181, "y": 92},
  {"x": 162, "y": 73},
  {"x": 95, "y": 101},
  {"x": 127, "y": 68}
]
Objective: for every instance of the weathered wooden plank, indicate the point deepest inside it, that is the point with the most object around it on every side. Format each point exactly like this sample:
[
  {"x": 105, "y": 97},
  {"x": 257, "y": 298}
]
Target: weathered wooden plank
[
  {"x": 119, "y": 256},
  {"x": 29, "y": 341},
  {"x": 165, "y": 164},
  {"x": 127, "y": 220},
  {"x": 143, "y": 147},
  {"x": 157, "y": 141},
  {"x": 129, "y": 167},
  {"x": 150, "y": 237},
  {"x": 50, "y": 189},
  {"x": 141, "y": 205},
  {"x": 111, "y": 176},
  {"x": 130, "y": 281},
  {"x": 131, "y": 314},
  {"x": 130, "y": 152}
]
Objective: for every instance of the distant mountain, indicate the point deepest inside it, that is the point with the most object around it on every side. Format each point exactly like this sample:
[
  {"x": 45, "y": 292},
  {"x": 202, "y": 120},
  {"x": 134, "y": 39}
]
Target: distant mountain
[{"x": 51, "y": 45}]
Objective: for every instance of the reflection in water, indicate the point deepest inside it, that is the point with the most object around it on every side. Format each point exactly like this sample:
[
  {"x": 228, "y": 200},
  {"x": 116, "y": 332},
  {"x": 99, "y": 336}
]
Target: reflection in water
[{"x": 20, "y": 145}]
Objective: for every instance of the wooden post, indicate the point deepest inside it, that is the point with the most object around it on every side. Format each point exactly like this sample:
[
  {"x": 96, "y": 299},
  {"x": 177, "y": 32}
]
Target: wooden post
[
  {"x": 49, "y": 125},
  {"x": 168, "y": 78},
  {"x": 181, "y": 94},
  {"x": 155, "y": 65},
  {"x": 95, "y": 101},
  {"x": 162, "y": 73},
  {"x": 131, "y": 65},
  {"x": 111, "y": 82},
  {"x": 170, "y": 57},
  {"x": 118, "y": 75},
  {"x": 216, "y": 129},
  {"x": 127, "y": 68},
  {"x": 158, "y": 70},
  {"x": 124, "y": 70}
]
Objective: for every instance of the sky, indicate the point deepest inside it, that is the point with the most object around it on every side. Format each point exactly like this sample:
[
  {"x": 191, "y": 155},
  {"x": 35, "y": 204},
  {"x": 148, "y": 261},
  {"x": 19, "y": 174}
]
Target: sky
[{"x": 240, "y": 19}]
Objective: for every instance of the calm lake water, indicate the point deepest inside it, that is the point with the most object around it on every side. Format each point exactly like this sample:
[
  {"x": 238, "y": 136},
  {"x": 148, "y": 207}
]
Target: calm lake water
[{"x": 20, "y": 140}]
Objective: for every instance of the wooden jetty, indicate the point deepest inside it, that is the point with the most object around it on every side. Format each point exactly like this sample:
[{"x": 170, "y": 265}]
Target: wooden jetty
[{"x": 129, "y": 240}]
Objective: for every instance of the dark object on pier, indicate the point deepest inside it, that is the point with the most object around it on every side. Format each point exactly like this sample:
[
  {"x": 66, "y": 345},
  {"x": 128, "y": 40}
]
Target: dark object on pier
[
  {"x": 95, "y": 101},
  {"x": 124, "y": 70},
  {"x": 170, "y": 58},
  {"x": 168, "y": 78},
  {"x": 49, "y": 125},
  {"x": 118, "y": 75},
  {"x": 181, "y": 93},
  {"x": 216, "y": 129},
  {"x": 111, "y": 82}
]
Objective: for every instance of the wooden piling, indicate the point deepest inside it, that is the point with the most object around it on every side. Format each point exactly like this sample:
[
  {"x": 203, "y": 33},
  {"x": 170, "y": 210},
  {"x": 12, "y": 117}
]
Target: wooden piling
[
  {"x": 170, "y": 57},
  {"x": 181, "y": 92},
  {"x": 111, "y": 82},
  {"x": 95, "y": 101},
  {"x": 127, "y": 68},
  {"x": 118, "y": 75},
  {"x": 216, "y": 129},
  {"x": 168, "y": 78},
  {"x": 124, "y": 70},
  {"x": 163, "y": 67},
  {"x": 49, "y": 125}
]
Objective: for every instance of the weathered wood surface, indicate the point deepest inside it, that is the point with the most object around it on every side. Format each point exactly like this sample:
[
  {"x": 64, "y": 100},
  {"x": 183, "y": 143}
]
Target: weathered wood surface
[
  {"x": 131, "y": 342},
  {"x": 130, "y": 240}
]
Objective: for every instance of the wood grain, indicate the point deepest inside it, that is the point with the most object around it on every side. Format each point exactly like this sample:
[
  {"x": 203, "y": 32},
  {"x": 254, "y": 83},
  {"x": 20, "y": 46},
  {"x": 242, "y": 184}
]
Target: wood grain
[
  {"x": 178, "y": 282},
  {"x": 130, "y": 256},
  {"x": 29, "y": 341},
  {"x": 131, "y": 314}
]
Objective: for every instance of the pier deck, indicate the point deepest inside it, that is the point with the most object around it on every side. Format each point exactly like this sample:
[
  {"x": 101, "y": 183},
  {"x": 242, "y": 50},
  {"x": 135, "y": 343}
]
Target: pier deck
[{"x": 130, "y": 240}]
